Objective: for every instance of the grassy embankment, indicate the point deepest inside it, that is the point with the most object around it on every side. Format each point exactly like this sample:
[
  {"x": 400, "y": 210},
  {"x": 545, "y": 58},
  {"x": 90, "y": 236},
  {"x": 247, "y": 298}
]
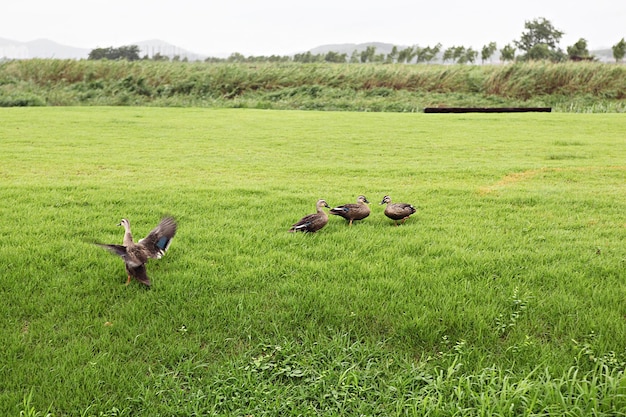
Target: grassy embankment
[
  {"x": 503, "y": 295},
  {"x": 570, "y": 87}
]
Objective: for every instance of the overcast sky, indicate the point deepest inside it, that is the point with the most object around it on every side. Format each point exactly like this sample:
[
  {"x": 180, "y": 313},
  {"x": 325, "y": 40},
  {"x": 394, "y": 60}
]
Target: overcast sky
[{"x": 281, "y": 27}]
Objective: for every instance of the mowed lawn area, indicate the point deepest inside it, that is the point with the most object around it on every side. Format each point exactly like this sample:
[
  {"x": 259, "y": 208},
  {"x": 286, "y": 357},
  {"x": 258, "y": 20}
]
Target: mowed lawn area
[{"x": 503, "y": 294}]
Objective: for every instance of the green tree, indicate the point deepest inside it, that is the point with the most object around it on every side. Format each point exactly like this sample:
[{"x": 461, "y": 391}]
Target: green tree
[
  {"x": 278, "y": 58},
  {"x": 159, "y": 57},
  {"x": 507, "y": 53},
  {"x": 368, "y": 54},
  {"x": 335, "y": 57},
  {"x": 457, "y": 54},
  {"x": 236, "y": 57},
  {"x": 129, "y": 53},
  {"x": 98, "y": 53},
  {"x": 453, "y": 53},
  {"x": 539, "y": 52},
  {"x": 406, "y": 54},
  {"x": 468, "y": 55},
  {"x": 540, "y": 41},
  {"x": 355, "y": 58},
  {"x": 428, "y": 53},
  {"x": 578, "y": 50},
  {"x": 487, "y": 51},
  {"x": 393, "y": 55},
  {"x": 619, "y": 50},
  {"x": 308, "y": 57}
]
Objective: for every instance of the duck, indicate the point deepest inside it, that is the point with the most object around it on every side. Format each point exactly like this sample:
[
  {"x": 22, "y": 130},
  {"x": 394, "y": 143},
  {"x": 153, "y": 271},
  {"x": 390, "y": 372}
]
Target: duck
[
  {"x": 397, "y": 211},
  {"x": 353, "y": 211},
  {"x": 136, "y": 255},
  {"x": 311, "y": 223}
]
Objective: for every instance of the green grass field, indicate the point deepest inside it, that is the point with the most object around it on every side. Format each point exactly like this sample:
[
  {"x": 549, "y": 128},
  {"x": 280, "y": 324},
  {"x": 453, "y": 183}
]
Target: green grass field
[{"x": 503, "y": 295}]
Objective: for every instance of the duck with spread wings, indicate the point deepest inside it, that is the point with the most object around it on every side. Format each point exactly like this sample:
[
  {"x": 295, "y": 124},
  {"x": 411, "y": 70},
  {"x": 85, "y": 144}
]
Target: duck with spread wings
[{"x": 136, "y": 255}]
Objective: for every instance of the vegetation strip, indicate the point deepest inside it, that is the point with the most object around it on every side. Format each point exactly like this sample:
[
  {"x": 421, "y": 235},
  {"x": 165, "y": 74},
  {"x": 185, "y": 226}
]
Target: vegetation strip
[{"x": 565, "y": 87}]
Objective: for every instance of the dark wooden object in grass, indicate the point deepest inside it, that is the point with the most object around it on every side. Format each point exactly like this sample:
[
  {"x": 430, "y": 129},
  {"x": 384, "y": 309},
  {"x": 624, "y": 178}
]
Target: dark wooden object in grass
[{"x": 486, "y": 109}]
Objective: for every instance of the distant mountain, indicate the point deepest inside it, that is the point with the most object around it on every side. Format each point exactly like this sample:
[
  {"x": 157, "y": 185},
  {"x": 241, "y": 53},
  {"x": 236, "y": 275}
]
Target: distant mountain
[
  {"x": 44, "y": 48},
  {"x": 40, "y": 48},
  {"x": 152, "y": 47},
  {"x": 603, "y": 55}
]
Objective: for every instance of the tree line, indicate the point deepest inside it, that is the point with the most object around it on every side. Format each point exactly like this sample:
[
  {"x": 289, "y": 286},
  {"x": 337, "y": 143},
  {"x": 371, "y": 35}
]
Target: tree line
[{"x": 539, "y": 41}]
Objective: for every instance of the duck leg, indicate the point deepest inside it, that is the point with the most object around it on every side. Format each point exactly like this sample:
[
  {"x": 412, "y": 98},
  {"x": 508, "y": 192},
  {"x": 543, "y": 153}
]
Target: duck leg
[{"x": 128, "y": 280}]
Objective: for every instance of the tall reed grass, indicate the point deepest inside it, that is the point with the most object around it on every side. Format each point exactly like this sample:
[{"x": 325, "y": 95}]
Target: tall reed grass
[{"x": 566, "y": 86}]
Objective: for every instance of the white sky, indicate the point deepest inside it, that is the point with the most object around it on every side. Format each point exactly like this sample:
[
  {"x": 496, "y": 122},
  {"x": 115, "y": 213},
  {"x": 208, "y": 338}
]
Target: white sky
[{"x": 284, "y": 27}]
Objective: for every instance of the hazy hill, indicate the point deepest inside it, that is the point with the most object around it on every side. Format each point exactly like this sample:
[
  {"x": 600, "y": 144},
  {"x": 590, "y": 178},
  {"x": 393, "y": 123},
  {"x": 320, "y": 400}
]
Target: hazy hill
[
  {"x": 44, "y": 48},
  {"x": 604, "y": 55},
  {"x": 40, "y": 48},
  {"x": 155, "y": 46}
]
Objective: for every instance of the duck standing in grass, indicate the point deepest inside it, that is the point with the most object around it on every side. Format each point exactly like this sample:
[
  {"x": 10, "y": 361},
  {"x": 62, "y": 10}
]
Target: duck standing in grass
[
  {"x": 353, "y": 211},
  {"x": 312, "y": 222},
  {"x": 397, "y": 211},
  {"x": 135, "y": 255}
]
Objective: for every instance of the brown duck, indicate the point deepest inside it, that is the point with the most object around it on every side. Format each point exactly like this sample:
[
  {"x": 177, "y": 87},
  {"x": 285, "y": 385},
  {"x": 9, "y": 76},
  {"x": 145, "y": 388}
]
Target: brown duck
[
  {"x": 312, "y": 222},
  {"x": 135, "y": 255},
  {"x": 353, "y": 211},
  {"x": 397, "y": 211}
]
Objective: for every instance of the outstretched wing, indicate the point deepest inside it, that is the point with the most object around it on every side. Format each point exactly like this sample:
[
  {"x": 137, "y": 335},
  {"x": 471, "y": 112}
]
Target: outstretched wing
[
  {"x": 118, "y": 250},
  {"x": 159, "y": 239}
]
